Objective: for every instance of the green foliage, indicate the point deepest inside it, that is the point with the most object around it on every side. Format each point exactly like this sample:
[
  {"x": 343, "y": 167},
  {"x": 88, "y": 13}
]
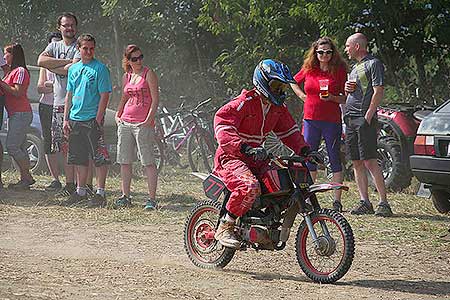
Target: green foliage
[{"x": 204, "y": 48}]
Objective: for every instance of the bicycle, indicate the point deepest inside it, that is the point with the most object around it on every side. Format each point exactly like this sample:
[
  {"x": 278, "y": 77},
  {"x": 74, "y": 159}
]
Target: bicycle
[{"x": 198, "y": 139}]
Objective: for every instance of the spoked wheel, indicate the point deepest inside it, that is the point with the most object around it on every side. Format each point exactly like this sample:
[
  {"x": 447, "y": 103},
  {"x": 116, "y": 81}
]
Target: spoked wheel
[
  {"x": 201, "y": 150},
  {"x": 201, "y": 247},
  {"x": 329, "y": 259}
]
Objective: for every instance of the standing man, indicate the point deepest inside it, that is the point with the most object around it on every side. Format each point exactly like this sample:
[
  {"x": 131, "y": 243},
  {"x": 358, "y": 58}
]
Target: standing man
[
  {"x": 88, "y": 90},
  {"x": 5, "y": 69},
  {"x": 365, "y": 91},
  {"x": 57, "y": 58}
]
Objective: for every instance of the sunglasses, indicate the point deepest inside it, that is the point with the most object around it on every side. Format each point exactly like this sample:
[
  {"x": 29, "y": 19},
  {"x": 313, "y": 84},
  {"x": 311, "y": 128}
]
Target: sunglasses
[
  {"x": 135, "y": 59},
  {"x": 322, "y": 52},
  {"x": 278, "y": 87}
]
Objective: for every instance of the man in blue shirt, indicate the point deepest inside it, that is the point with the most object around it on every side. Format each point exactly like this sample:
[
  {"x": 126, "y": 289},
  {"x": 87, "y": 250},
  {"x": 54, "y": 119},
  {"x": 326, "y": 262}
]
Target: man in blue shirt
[{"x": 88, "y": 90}]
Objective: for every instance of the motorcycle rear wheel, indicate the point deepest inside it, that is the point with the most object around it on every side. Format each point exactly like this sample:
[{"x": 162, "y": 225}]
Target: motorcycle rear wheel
[
  {"x": 333, "y": 258},
  {"x": 201, "y": 247}
]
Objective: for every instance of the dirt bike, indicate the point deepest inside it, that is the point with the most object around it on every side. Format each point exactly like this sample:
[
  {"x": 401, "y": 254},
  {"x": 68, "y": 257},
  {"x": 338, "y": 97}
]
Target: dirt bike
[{"x": 324, "y": 242}]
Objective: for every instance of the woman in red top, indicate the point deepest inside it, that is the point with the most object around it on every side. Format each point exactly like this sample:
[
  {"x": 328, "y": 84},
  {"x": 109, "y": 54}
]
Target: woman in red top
[
  {"x": 135, "y": 119},
  {"x": 320, "y": 84},
  {"x": 15, "y": 85}
]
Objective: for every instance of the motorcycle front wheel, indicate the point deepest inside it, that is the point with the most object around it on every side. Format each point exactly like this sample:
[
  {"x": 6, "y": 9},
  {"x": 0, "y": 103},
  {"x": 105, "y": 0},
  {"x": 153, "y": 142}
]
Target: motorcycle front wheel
[
  {"x": 201, "y": 247},
  {"x": 330, "y": 257}
]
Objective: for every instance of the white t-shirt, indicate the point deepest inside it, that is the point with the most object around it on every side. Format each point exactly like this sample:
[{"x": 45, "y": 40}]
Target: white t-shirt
[{"x": 2, "y": 59}]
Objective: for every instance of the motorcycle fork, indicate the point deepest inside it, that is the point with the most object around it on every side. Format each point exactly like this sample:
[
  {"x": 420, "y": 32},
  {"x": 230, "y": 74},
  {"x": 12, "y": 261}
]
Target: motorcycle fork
[{"x": 307, "y": 217}]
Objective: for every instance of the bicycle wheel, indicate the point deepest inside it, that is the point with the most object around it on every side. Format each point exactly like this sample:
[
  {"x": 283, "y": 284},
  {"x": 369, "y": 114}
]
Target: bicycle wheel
[
  {"x": 328, "y": 261},
  {"x": 201, "y": 150},
  {"x": 201, "y": 247}
]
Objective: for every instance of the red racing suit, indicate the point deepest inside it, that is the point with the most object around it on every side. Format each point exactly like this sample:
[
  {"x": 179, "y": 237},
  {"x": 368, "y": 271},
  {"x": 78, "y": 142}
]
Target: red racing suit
[{"x": 246, "y": 120}]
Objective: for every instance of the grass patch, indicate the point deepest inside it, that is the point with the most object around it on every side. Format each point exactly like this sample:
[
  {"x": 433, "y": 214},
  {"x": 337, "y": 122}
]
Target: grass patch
[{"x": 415, "y": 223}]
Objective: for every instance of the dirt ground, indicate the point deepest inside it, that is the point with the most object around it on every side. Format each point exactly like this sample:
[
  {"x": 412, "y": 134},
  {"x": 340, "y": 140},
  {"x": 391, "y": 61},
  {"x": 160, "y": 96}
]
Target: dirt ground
[{"x": 51, "y": 252}]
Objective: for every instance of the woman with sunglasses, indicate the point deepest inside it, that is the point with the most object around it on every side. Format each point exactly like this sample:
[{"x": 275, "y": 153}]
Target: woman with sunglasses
[
  {"x": 320, "y": 85},
  {"x": 135, "y": 119},
  {"x": 15, "y": 85}
]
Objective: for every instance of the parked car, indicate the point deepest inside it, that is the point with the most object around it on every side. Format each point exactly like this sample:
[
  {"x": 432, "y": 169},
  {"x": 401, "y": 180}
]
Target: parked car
[
  {"x": 431, "y": 160},
  {"x": 34, "y": 136}
]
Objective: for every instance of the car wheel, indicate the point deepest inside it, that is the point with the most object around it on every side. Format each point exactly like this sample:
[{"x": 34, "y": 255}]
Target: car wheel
[
  {"x": 36, "y": 154},
  {"x": 441, "y": 200}
]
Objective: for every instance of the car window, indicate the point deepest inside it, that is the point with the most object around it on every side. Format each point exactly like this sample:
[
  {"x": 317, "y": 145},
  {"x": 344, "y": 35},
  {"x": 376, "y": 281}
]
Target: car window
[{"x": 445, "y": 108}]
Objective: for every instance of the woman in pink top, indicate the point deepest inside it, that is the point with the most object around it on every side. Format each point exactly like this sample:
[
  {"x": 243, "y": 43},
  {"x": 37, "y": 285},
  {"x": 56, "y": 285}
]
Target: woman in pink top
[
  {"x": 15, "y": 85},
  {"x": 135, "y": 119}
]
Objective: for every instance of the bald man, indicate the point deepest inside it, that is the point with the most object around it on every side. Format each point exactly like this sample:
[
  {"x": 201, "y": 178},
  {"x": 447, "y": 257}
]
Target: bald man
[{"x": 364, "y": 90}]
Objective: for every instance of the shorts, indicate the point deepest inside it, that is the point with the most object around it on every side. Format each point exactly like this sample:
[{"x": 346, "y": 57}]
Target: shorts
[
  {"x": 2, "y": 109},
  {"x": 314, "y": 130},
  {"x": 132, "y": 137},
  {"x": 18, "y": 127},
  {"x": 361, "y": 138},
  {"x": 59, "y": 141},
  {"x": 86, "y": 141},
  {"x": 45, "y": 114}
]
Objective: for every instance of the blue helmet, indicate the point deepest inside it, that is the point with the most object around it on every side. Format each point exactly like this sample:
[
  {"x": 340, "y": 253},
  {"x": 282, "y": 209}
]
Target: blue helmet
[{"x": 271, "y": 78}]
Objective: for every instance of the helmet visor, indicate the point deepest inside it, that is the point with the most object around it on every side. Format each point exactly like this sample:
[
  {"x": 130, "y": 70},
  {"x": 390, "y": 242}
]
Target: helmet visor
[{"x": 277, "y": 87}]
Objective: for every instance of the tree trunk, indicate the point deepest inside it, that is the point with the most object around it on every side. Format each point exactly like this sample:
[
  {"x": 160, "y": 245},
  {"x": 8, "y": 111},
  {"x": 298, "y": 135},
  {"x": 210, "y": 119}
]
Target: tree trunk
[{"x": 118, "y": 58}]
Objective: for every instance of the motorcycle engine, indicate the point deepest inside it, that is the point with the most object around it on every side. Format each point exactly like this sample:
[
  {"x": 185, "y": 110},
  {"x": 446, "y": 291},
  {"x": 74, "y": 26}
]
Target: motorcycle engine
[{"x": 260, "y": 235}]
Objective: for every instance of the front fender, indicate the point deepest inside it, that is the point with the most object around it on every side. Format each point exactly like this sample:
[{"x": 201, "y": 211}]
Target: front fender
[{"x": 324, "y": 187}]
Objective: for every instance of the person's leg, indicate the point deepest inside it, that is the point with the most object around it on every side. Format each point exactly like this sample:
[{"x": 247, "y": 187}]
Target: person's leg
[
  {"x": 152, "y": 180},
  {"x": 1, "y": 164},
  {"x": 99, "y": 154},
  {"x": 18, "y": 125},
  {"x": 2, "y": 108},
  {"x": 245, "y": 188},
  {"x": 78, "y": 158},
  {"x": 145, "y": 139},
  {"x": 377, "y": 175},
  {"x": 60, "y": 145},
  {"x": 125, "y": 156},
  {"x": 126, "y": 174},
  {"x": 45, "y": 115},
  {"x": 361, "y": 179},
  {"x": 332, "y": 134},
  {"x": 312, "y": 134}
]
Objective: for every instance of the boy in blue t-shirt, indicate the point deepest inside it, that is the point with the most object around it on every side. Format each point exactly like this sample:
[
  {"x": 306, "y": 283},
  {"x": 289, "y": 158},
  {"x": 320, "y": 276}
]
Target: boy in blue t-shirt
[{"x": 88, "y": 90}]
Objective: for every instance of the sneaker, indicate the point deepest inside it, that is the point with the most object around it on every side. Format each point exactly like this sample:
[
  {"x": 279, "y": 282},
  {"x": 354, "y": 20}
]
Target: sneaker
[
  {"x": 75, "y": 200},
  {"x": 363, "y": 208},
  {"x": 337, "y": 206},
  {"x": 383, "y": 210},
  {"x": 67, "y": 191},
  {"x": 225, "y": 235},
  {"x": 150, "y": 204},
  {"x": 54, "y": 186},
  {"x": 123, "y": 201},
  {"x": 97, "y": 201},
  {"x": 22, "y": 184}
]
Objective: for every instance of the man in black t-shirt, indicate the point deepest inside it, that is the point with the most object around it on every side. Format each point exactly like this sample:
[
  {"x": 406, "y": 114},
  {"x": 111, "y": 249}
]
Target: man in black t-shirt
[{"x": 364, "y": 90}]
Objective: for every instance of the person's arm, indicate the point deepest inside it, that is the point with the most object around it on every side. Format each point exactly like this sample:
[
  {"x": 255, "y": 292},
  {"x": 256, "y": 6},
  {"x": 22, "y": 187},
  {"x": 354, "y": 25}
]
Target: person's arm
[
  {"x": 298, "y": 91},
  {"x": 45, "y": 60},
  {"x": 123, "y": 101},
  {"x": 341, "y": 99},
  {"x": 17, "y": 90},
  {"x": 152, "y": 81},
  {"x": 41, "y": 87},
  {"x": 67, "y": 106},
  {"x": 104, "y": 99},
  {"x": 378, "y": 93}
]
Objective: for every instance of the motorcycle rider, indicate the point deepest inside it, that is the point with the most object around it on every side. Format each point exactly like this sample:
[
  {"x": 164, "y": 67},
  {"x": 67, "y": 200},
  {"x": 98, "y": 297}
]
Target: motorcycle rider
[{"x": 241, "y": 127}]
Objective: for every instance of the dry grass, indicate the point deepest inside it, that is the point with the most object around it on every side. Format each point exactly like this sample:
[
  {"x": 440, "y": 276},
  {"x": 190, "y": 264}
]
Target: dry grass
[{"x": 416, "y": 223}]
